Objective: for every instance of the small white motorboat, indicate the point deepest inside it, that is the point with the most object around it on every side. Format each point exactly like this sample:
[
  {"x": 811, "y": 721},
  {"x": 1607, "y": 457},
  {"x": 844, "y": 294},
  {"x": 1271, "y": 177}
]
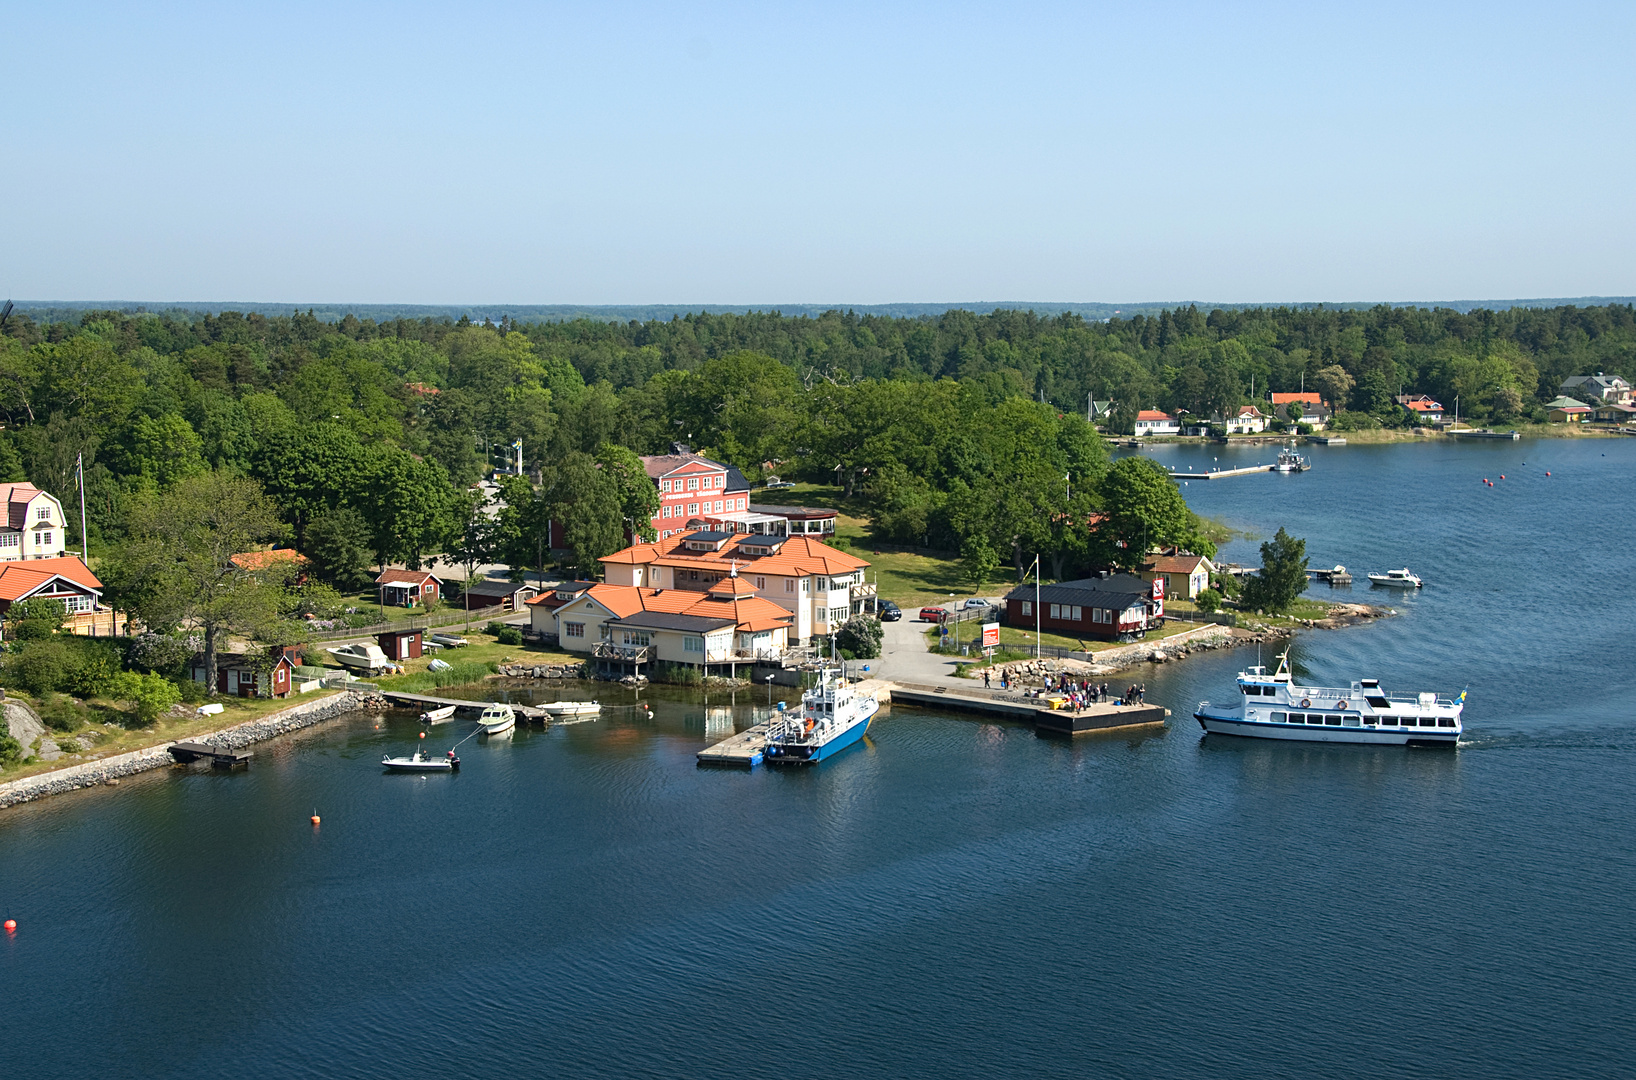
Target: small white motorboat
[
  {"x": 364, "y": 657},
  {"x": 437, "y": 716},
  {"x": 572, "y": 708},
  {"x": 1397, "y": 579},
  {"x": 497, "y": 718},
  {"x": 419, "y": 762}
]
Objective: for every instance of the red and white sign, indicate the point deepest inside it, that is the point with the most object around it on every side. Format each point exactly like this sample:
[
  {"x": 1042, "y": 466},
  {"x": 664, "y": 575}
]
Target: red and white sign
[{"x": 991, "y": 635}]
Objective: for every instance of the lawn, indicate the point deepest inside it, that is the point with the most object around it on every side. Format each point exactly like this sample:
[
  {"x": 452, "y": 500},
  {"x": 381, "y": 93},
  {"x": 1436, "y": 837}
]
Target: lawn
[
  {"x": 107, "y": 735},
  {"x": 483, "y": 650},
  {"x": 910, "y": 576}
]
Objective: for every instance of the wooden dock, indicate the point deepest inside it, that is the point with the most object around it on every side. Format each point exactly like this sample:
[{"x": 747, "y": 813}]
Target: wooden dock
[
  {"x": 743, "y": 749},
  {"x": 398, "y": 697},
  {"x": 220, "y": 756},
  {"x": 1220, "y": 474},
  {"x": 1102, "y": 716}
]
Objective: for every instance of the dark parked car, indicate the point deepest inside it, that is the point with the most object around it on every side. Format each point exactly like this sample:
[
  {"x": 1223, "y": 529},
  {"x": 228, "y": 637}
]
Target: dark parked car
[{"x": 888, "y": 611}]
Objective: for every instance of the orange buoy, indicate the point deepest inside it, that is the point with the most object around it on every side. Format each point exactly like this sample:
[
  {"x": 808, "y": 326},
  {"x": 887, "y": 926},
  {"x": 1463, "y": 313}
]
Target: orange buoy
[
  {"x": 11, "y": 925},
  {"x": 1547, "y": 473},
  {"x": 423, "y": 734},
  {"x": 315, "y": 817},
  {"x": 1502, "y": 476}
]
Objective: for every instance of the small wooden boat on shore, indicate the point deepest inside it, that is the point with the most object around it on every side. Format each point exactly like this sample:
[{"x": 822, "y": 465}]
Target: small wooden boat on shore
[
  {"x": 572, "y": 708},
  {"x": 497, "y": 718},
  {"x": 418, "y": 762},
  {"x": 437, "y": 716}
]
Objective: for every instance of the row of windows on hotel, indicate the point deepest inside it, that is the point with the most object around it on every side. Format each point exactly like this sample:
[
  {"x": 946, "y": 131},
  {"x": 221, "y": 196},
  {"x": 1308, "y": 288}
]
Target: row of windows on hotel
[
  {"x": 1334, "y": 720},
  {"x": 720, "y": 506},
  {"x": 42, "y": 539},
  {"x": 1071, "y": 612},
  {"x": 693, "y": 483}
]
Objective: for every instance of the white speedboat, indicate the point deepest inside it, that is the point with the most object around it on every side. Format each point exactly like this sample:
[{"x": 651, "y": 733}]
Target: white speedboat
[
  {"x": 1397, "y": 579},
  {"x": 361, "y": 657},
  {"x": 1274, "y": 707},
  {"x": 832, "y": 718},
  {"x": 437, "y": 716},
  {"x": 572, "y": 708},
  {"x": 497, "y": 718},
  {"x": 419, "y": 762}
]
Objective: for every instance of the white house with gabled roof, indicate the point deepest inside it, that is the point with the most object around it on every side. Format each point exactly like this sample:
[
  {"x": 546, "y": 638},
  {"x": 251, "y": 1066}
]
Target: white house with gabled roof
[{"x": 35, "y": 524}]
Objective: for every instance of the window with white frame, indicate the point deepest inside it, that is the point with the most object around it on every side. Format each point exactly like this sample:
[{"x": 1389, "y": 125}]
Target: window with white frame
[
  {"x": 76, "y": 604},
  {"x": 666, "y": 511},
  {"x": 1056, "y": 611},
  {"x": 573, "y": 629},
  {"x": 693, "y": 483},
  {"x": 42, "y": 538},
  {"x": 692, "y": 508},
  {"x": 1079, "y": 613},
  {"x": 1028, "y": 607},
  {"x": 42, "y": 514},
  {"x": 636, "y": 637},
  {"x": 11, "y": 539},
  {"x": 693, "y": 643},
  {"x": 761, "y": 583},
  {"x": 837, "y": 615},
  {"x": 789, "y": 585}
]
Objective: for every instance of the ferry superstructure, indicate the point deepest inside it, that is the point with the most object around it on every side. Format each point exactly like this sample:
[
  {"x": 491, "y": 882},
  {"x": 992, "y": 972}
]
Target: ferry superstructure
[
  {"x": 832, "y": 717},
  {"x": 1272, "y": 706}
]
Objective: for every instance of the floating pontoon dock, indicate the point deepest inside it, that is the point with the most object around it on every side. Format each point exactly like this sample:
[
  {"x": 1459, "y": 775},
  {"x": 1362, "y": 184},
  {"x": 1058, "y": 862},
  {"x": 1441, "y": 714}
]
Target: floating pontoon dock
[
  {"x": 399, "y": 698},
  {"x": 220, "y": 756},
  {"x": 1220, "y": 473}
]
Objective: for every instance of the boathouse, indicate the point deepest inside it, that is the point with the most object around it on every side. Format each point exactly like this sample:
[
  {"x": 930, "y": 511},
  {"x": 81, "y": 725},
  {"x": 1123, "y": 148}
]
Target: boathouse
[{"x": 400, "y": 644}]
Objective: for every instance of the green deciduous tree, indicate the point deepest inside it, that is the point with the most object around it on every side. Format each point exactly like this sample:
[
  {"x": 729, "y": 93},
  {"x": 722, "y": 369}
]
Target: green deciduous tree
[
  {"x": 1282, "y": 577},
  {"x": 634, "y": 490},
  {"x": 1143, "y": 509},
  {"x": 339, "y": 543},
  {"x": 150, "y": 694}
]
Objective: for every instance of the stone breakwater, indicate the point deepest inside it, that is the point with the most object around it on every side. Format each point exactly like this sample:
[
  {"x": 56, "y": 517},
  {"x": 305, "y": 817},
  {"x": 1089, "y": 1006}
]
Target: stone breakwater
[
  {"x": 544, "y": 671},
  {"x": 108, "y": 770}
]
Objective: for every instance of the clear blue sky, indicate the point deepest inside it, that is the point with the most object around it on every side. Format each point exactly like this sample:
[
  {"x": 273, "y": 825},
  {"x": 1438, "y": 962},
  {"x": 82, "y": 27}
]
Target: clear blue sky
[{"x": 868, "y": 153}]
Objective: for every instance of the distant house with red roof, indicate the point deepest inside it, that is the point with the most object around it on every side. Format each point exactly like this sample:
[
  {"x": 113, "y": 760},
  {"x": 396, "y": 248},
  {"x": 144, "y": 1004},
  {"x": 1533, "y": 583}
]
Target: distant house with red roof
[
  {"x": 1424, "y": 408},
  {"x": 1185, "y": 575},
  {"x": 65, "y": 579},
  {"x": 1313, "y": 410},
  {"x": 287, "y": 561},
  {"x": 1567, "y": 410},
  {"x": 406, "y": 588},
  {"x": 1154, "y": 422}
]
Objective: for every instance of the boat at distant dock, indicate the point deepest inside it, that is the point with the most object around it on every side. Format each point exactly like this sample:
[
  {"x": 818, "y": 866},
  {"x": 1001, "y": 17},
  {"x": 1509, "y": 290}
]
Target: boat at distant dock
[
  {"x": 1274, "y": 707},
  {"x": 1290, "y": 462},
  {"x": 572, "y": 708},
  {"x": 1396, "y": 579},
  {"x": 497, "y": 718},
  {"x": 832, "y": 717},
  {"x": 438, "y": 715}
]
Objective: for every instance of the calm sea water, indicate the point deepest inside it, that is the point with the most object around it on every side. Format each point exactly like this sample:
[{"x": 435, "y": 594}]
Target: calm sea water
[{"x": 956, "y": 898}]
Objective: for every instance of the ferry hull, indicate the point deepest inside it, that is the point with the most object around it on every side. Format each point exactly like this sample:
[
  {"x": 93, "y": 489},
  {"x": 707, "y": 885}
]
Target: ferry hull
[
  {"x": 1218, "y": 724},
  {"x": 813, "y": 753}
]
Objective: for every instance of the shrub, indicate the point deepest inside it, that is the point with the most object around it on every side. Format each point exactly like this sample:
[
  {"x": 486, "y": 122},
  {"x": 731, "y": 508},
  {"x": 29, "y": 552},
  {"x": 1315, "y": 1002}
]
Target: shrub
[
  {"x": 509, "y": 635},
  {"x": 861, "y": 636},
  {"x": 40, "y": 667},
  {"x": 1209, "y": 601},
  {"x": 158, "y": 652},
  {"x": 11, "y": 751},
  {"x": 150, "y": 694},
  {"x": 494, "y": 628},
  {"x": 93, "y": 666},
  {"x": 190, "y": 691},
  {"x": 361, "y": 619},
  {"x": 35, "y": 619},
  {"x": 62, "y": 713}
]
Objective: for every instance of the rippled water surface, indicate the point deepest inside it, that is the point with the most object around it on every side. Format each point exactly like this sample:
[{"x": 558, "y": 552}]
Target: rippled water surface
[{"x": 953, "y": 898}]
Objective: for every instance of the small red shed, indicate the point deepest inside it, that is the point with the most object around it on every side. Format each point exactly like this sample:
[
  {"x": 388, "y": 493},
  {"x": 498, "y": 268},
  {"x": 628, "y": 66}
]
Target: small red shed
[{"x": 400, "y": 644}]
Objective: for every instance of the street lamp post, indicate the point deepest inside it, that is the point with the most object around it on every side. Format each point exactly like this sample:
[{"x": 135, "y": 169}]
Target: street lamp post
[{"x": 770, "y": 689}]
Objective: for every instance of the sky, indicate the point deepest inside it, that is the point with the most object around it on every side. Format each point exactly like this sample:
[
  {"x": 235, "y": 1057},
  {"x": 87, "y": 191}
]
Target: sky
[{"x": 625, "y": 153}]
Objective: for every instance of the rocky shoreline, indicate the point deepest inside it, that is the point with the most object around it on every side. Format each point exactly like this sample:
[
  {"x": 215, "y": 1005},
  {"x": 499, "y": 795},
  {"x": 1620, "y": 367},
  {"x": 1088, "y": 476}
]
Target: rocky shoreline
[{"x": 111, "y": 770}]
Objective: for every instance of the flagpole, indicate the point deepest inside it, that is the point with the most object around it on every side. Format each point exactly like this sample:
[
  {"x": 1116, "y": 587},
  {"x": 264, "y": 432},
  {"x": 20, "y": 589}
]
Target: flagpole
[
  {"x": 1036, "y": 607},
  {"x": 79, "y": 469}
]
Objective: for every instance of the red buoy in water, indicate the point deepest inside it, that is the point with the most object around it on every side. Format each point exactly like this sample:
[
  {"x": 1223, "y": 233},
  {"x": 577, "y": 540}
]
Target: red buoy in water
[
  {"x": 423, "y": 734},
  {"x": 11, "y": 926},
  {"x": 1547, "y": 473},
  {"x": 1502, "y": 476}
]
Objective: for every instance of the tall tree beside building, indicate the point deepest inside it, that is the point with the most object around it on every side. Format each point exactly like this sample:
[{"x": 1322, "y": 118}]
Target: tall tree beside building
[
  {"x": 1142, "y": 509},
  {"x": 635, "y": 491},
  {"x": 176, "y": 570}
]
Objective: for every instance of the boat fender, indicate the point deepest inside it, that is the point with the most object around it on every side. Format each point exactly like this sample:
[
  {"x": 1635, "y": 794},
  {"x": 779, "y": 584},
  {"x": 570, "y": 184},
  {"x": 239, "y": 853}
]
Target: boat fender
[{"x": 1306, "y": 703}]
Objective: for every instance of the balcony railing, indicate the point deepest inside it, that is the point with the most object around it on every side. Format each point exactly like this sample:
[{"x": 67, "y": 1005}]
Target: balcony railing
[{"x": 630, "y": 654}]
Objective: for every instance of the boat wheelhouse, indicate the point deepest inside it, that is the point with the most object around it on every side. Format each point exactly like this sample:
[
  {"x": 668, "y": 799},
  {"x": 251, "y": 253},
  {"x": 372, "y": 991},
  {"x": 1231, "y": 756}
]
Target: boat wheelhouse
[
  {"x": 1273, "y": 706},
  {"x": 832, "y": 717}
]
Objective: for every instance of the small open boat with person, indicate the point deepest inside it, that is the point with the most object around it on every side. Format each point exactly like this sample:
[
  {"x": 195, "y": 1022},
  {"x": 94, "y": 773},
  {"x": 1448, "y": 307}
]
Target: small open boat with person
[
  {"x": 438, "y": 715},
  {"x": 572, "y": 708},
  {"x": 497, "y": 718},
  {"x": 419, "y": 762},
  {"x": 1396, "y": 579}
]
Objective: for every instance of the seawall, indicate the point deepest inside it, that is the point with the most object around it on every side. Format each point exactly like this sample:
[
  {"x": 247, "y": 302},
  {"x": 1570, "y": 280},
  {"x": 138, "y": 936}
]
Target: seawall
[{"x": 91, "y": 773}]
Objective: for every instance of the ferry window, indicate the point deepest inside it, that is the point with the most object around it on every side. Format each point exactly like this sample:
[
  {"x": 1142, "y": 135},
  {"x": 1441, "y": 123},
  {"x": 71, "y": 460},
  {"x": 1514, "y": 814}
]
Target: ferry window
[
  {"x": 1428, "y": 721},
  {"x": 1445, "y": 721},
  {"x": 1333, "y": 721},
  {"x": 1278, "y": 717},
  {"x": 1297, "y": 718}
]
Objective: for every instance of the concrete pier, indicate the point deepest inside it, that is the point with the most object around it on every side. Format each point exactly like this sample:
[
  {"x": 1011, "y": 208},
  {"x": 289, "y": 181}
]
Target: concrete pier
[
  {"x": 398, "y": 697},
  {"x": 1102, "y": 716},
  {"x": 1220, "y": 473}
]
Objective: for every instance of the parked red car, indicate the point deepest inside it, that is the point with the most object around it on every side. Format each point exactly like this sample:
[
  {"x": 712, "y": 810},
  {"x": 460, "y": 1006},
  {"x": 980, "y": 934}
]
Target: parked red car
[{"x": 933, "y": 614}]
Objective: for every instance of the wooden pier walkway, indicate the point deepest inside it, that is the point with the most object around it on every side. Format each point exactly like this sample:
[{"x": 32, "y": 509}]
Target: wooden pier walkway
[
  {"x": 1220, "y": 473},
  {"x": 220, "y": 756},
  {"x": 398, "y": 697}
]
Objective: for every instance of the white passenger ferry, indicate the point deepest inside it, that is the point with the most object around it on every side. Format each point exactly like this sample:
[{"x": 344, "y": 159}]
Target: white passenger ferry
[{"x": 1273, "y": 707}]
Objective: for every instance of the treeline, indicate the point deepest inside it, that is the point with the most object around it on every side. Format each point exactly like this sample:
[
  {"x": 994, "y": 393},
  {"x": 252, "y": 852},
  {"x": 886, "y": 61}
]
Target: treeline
[{"x": 368, "y": 435}]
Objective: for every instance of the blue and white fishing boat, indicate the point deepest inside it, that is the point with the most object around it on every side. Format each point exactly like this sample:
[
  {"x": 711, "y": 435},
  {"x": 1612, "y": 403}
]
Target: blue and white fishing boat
[
  {"x": 1274, "y": 707},
  {"x": 832, "y": 717}
]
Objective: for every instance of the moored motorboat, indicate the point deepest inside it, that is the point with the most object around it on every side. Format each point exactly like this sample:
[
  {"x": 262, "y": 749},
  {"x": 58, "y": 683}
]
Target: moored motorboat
[
  {"x": 438, "y": 715},
  {"x": 1397, "y": 579},
  {"x": 497, "y": 718},
  {"x": 419, "y": 762},
  {"x": 1272, "y": 706},
  {"x": 832, "y": 717},
  {"x": 572, "y": 708},
  {"x": 1290, "y": 462}
]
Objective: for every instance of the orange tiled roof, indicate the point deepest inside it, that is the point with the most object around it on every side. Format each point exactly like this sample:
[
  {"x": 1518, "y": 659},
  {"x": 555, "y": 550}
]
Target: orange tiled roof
[
  {"x": 19, "y": 579},
  {"x": 1152, "y": 414},
  {"x": 1175, "y": 564},
  {"x": 1310, "y": 397},
  {"x": 260, "y": 560},
  {"x": 749, "y": 613},
  {"x": 1424, "y": 406},
  {"x": 799, "y": 556}
]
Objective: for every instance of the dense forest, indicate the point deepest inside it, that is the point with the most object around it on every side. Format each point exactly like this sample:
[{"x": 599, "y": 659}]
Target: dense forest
[{"x": 960, "y": 431}]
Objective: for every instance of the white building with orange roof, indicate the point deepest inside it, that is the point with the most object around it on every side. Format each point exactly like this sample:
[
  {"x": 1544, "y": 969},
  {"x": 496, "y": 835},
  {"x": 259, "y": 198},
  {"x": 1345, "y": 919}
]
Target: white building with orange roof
[
  {"x": 626, "y": 627},
  {"x": 820, "y": 586},
  {"x": 67, "y": 580},
  {"x": 35, "y": 525}
]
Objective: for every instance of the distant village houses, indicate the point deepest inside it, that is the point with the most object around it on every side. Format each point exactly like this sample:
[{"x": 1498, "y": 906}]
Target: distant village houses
[
  {"x": 1421, "y": 407},
  {"x": 1154, "y": 422},
  {"x": 1609, "y": 389},
  {"x": 1313, "y": 409}
]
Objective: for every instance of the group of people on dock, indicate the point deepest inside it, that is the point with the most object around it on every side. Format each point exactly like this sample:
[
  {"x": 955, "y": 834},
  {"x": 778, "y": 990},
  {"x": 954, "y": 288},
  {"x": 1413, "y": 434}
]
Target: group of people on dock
[{"x": 1079, "y": 692}]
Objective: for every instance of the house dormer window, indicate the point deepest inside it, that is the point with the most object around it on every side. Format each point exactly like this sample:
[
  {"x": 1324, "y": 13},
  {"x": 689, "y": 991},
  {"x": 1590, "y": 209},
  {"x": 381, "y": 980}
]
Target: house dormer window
[{"x": 42, "y": 514}]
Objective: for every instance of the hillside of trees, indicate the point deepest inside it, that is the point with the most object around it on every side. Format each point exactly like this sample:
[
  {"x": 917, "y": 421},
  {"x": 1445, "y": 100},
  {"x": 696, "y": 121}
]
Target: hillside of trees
[{"x": 962, "y": 431}]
